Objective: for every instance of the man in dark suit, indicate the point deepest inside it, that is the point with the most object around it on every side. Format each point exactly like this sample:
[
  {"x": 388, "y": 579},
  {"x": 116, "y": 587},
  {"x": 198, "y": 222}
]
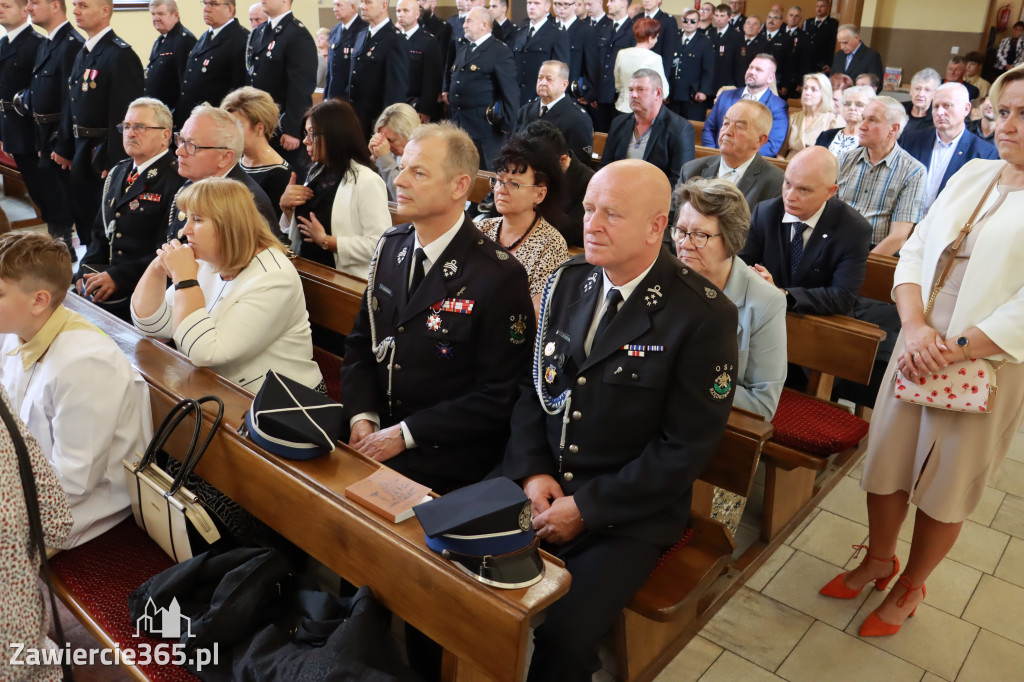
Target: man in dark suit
[
  {"x": 668, "y": 36},
  {"x": 105, "y": 77},
  {"x": 635, "y": 380},
  {"x": 821, "y": 30},
  {"x": 808, "y": 242},
  {"x": 945, "y": 149},
  {"x": 693, "y": 71},
  {"x": 209, "y": 146},
  {"x": 666, "y": 140},
  {"x": 751, "y": 44},
  {"x": 339, "y": 50},
  {"x": 758, "y": 80},
  {"x": 425, "y": 66},
  {"x": 169, "y": 55},
  {"x": 596, "y": 16},
  {"x": 744, "y": 130},
  {"x": 434, "y": 404},
  {"x": 380, "y": 65},
  {"x": 803, "y": 60},
  {"x": 131, "y": 223},
  {"x": 552, "y": 105},
  {"x": 48, "y": 92},
  {"x": 584, "y": 64},
  {"x": 782, "y": 46},
  {"x": 506, "y": 30},
  {"x": 854, "y": 57},
  {"x": 216, "y": 65},
  {"x": 536, "y": 42},
  {"x": 436, "y": 26},
  {"x": 482, "y": 92},
  {"x": 726, "y": 44},
  {"x": 737, "y": 19},
  {"x": 282, "y": 62},
  {"x": 618, "y": 34}
]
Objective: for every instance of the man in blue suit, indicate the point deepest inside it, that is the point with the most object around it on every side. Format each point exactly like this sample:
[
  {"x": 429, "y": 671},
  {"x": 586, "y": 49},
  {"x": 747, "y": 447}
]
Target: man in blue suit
[
  {"x": 944, "y": 150},
  {"x": 760, "y": 75}
]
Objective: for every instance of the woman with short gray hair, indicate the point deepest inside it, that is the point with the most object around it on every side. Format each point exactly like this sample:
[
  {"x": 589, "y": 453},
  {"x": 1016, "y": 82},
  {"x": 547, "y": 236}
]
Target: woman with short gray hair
[
  {"x": 919, "y": 108},
  {"x": 711, "y": 228},
  {"x": 394, "y": 127}
]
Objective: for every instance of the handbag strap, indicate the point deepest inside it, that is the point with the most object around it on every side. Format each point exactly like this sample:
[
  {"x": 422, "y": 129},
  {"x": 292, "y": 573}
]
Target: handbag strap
[
  {"x": 959, "y": 241},
  {"x": 196, "y": 449},
  {"x": 167, "y": 427},
  {"x": 35, "y": 523}
]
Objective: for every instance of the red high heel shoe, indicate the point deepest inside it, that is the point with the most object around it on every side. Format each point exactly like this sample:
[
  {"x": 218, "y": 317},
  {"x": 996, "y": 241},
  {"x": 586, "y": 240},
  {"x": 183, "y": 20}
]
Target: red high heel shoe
[
  {"x": 838, "y": 589},
  {"x": 874, "y": 626}
]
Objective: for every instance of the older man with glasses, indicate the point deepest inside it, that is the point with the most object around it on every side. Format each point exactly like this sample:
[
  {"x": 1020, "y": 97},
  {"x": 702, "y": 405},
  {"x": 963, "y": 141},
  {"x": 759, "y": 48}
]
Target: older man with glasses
[
  {"x": 216, "y": 65},
  {"x": 130, "y": 225},
  {"x": 209, "y": 146}
]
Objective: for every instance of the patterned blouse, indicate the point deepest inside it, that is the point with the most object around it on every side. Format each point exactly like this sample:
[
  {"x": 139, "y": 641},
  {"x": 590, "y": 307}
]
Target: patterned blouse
[
  {"x": 540, "y": 253},
  {"x": 843, "y": 143},
  {"x": 23, "y": 611}
]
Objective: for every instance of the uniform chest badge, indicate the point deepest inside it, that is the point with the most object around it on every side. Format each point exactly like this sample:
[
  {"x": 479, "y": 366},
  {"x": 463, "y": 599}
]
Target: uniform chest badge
[
  {"x": 549, "y": 349},
  {"x": 444, "y": 350},
  {"x": 133, "y": 205},
  {"x": 525, "y": 518},
  {"x": 150, "y": 196},
  {"x": 502, "y": 255},
  {"x": 517, "y": 330},
  {"x": 550, "y": 374},
  {"x": 270, "y": 47},
  {"x": 181, "y": 215},
  {"x": 151, "y": 173},
  {"x": 472, "y": 67},
  {"x": 450, "y": 269},
  {"x": 653, "y": 295},
  {"x": 721, "y": 387},
  {"x": 433, "y": 322},
  {"x": 589, "y": 284}
]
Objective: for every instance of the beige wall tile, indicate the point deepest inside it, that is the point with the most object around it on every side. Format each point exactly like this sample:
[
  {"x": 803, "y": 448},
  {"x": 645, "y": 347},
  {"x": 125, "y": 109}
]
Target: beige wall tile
[
  {"x": 997, "y": 606},
  {"x": 826, "y": 654},
  {"x": 979, "y": 547},
  {"x": 770, "y": 568},
  {"x": 797, "y": 584},
  {"x": 729, "y": 668},
  {"x": 692, "y": 662},
  {"x": 830, "y": 537},
  {"x": 1011, "y": 566},
  {"x": 757, "y": 628},
  {"x": 1010, "y": 517},
  {"x": 993, "y": 659}
]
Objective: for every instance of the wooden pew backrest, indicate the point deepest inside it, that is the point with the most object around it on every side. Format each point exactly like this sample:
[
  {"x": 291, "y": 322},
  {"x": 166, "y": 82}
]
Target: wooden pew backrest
[
  {"x": 833, "y": 344},
  {"x": 700, "y": 152},
  {"x": 332, "y": 297},
  {"x": 481, "y": 186},
  {"x": 878, "y": 277}
]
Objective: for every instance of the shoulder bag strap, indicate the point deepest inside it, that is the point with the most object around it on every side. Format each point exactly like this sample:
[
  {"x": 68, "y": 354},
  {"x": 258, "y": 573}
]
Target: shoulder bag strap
[
  {"x": 35, "y": 524},
  {"x": 197, "y": 449}
]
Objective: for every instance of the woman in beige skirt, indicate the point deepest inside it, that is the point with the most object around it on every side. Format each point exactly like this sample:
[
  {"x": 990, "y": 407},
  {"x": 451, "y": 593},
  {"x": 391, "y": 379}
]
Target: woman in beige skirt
[{"x": 937, "y": 459}]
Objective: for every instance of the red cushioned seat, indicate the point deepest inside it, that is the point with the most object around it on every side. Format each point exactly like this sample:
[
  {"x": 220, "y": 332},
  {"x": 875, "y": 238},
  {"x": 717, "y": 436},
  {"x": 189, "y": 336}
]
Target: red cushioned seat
[
  {"x": 103, "y": 572},
  {"x": 330, "y": 367},
  {"x": 7, "y": 160},
  {"x": 673, "y": 549},
  {"x": 805, "y": 423}
]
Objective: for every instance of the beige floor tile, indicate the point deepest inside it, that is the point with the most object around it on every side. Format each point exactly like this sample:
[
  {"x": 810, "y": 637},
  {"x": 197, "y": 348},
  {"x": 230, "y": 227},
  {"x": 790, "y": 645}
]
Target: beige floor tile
[
  {"x": 797, "y": 584},
  {"x": 691, "y": 663},
  {"x": 1010, "y": 477},
  {"x": 829, "y": 537},
  {"x": 849, "y": 501},
  {"x": 987, "y": 508},
  {"x": 1011, "y": 566},
  {"x": 932, "y": 677},
  {"x": 997, "y": 606},
  {"x": 857, "y": 471},
  {"x": 951, "y": 586},
  {"x": 993, "y": 659},
  {"x": 757, "y": 628},
  {"x": 1016, "y": 451},
  {"x": 813, "y": 514},
  {"x": 932, "y": 639},
  {"x": 729, "y": 668},
  {"x": 1010, "y": 517},
  {"x": 979, "y": 547},
  {"x": 826, "y": 654},
  {"x": 770, "y": 568}
]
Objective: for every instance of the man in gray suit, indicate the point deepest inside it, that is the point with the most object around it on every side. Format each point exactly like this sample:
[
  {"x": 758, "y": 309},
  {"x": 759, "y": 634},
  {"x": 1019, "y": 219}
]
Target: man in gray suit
[{"x": 745, "y": 128}]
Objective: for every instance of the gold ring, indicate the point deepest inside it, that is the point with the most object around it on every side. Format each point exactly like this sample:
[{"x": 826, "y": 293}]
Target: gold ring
[{"x": 915, "y": 354}]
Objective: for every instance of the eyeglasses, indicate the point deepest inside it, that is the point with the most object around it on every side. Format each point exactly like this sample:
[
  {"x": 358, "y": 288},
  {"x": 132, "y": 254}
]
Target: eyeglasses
[
  {"x": 207, "y": 3},
  {"x": 312, "y": 134},
  {"x": 191, "y": 148},
  {"x": 564, "y": 5},
  {"x": 137, "y": 128},
  {"x": 511, "y": 185},
  {"x": 698, "y": 239},
  {"x": 691, "y": 21}
]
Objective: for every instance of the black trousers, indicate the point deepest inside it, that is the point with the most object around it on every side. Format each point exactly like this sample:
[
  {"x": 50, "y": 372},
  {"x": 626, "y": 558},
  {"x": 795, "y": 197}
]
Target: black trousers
[
  {"x": 606, "y": 572},
  {"x": 48, "y": 186},
  {"x": 86, "y": 196},
  {"x": 694, "y": 111},
  {"x": 602, "y": 116}
]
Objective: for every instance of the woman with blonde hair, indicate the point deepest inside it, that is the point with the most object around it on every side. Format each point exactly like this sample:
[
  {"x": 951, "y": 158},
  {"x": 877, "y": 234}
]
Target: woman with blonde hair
[
  {"x": 817, "y": 116},
  {"x": 394, "y": 127},
  {"x": 258, "y": 114},
  {"x": 235, "y": 304}
]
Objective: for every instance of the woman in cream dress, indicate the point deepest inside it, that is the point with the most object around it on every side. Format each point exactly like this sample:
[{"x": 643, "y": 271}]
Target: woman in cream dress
[{"x": 817, "y": 116}]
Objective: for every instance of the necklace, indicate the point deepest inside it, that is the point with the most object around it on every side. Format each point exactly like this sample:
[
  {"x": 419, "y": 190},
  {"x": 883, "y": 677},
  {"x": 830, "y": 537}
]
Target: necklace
[{"x": 512, "y": 247}]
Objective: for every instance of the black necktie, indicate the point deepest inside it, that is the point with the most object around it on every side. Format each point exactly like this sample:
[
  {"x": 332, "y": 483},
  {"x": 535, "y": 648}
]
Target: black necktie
[
  {"x": 532, "y": 31},
  {"x": 417, "y": 270},
  {"x": 616, "y": 27},
  {"x": 611, "y": 301},
  {"x": 796, "y": 249},
  {"x": 469, "y": 50},
  {"x": 543, "y": 109}
]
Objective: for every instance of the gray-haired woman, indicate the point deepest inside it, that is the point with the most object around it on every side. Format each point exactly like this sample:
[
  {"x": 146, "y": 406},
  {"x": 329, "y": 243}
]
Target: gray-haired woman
[{"x": 394, "y": 127}]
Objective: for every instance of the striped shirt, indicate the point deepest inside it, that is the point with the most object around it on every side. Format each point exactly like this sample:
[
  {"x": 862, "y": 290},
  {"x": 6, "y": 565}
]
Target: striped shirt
[{"x": 891, "y": 191}]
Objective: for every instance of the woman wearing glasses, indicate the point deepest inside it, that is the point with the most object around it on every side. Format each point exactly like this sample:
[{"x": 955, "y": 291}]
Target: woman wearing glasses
[
  {"x": 527, "y": 194},
  {"x": 711, "y": 229},
  {"x": 337, "y": 215}
]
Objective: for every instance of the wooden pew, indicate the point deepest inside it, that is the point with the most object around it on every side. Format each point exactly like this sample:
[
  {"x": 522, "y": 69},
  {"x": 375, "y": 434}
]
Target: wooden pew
[
  {"x": 332, "y": 297},
  {"x": 481, "y": 187},
  {"x": 600, "y": 140},
  {"x": 14, "y": 186},
  {"x": 701, "y": 152},
  {"x": 698, "y": 130},
  {"x": 305, "y": 502},
  {"x": 878, "y": 279}
]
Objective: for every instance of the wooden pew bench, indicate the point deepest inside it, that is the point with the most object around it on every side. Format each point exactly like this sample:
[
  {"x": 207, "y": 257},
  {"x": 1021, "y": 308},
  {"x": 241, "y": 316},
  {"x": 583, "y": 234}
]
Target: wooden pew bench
[
  {"x": 698, "y": 130},
  {"x": 879, "y": 276},
  {"x": 701, "y": 152},
  {"x": 305, "y": 502},
  {"x": 14, "y": 186}
]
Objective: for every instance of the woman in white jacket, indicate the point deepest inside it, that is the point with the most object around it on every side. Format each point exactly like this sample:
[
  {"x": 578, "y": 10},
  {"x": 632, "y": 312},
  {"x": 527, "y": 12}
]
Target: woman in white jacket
[
  {"x": 337, "y": 215},
  {"x": 631, "y": 59}
]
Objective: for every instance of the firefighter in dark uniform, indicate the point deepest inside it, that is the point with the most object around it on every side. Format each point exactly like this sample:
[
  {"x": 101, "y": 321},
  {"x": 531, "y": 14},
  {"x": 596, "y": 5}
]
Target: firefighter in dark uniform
[
  {"x": 782, "y": 46},
  {"x": 616, "y": 36},
  {"x": 584, "y": 64},
  {"x": 537, "y": 41},
  {"x": 47, "y": 95},
  {"x": 216, "y": 65},
  {"x": 632, "y": 383},
  {"x": 483, "y": 97},
  {"x": 693, "y": 71},
  {"x": 282, "y": 62},
  {"x": 380, "y": 66},
  {"x": 443, "y": 333},
  {"x": 169, "y": 56},
  {"x": 339, "y": 50},
  {"x": 105, "y": 78},
  {"x": 130, "y": 225}
]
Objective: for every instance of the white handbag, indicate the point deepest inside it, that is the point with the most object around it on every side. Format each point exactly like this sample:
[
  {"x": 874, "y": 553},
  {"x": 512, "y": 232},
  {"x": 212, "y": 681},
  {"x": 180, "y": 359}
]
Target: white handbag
[{"x": 162, "y": 506}]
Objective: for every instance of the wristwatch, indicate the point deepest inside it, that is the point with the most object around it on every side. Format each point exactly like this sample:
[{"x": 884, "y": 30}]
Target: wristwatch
[
  {"x": 185, "y": 284},
  {"x": 962, "y": 342}
]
